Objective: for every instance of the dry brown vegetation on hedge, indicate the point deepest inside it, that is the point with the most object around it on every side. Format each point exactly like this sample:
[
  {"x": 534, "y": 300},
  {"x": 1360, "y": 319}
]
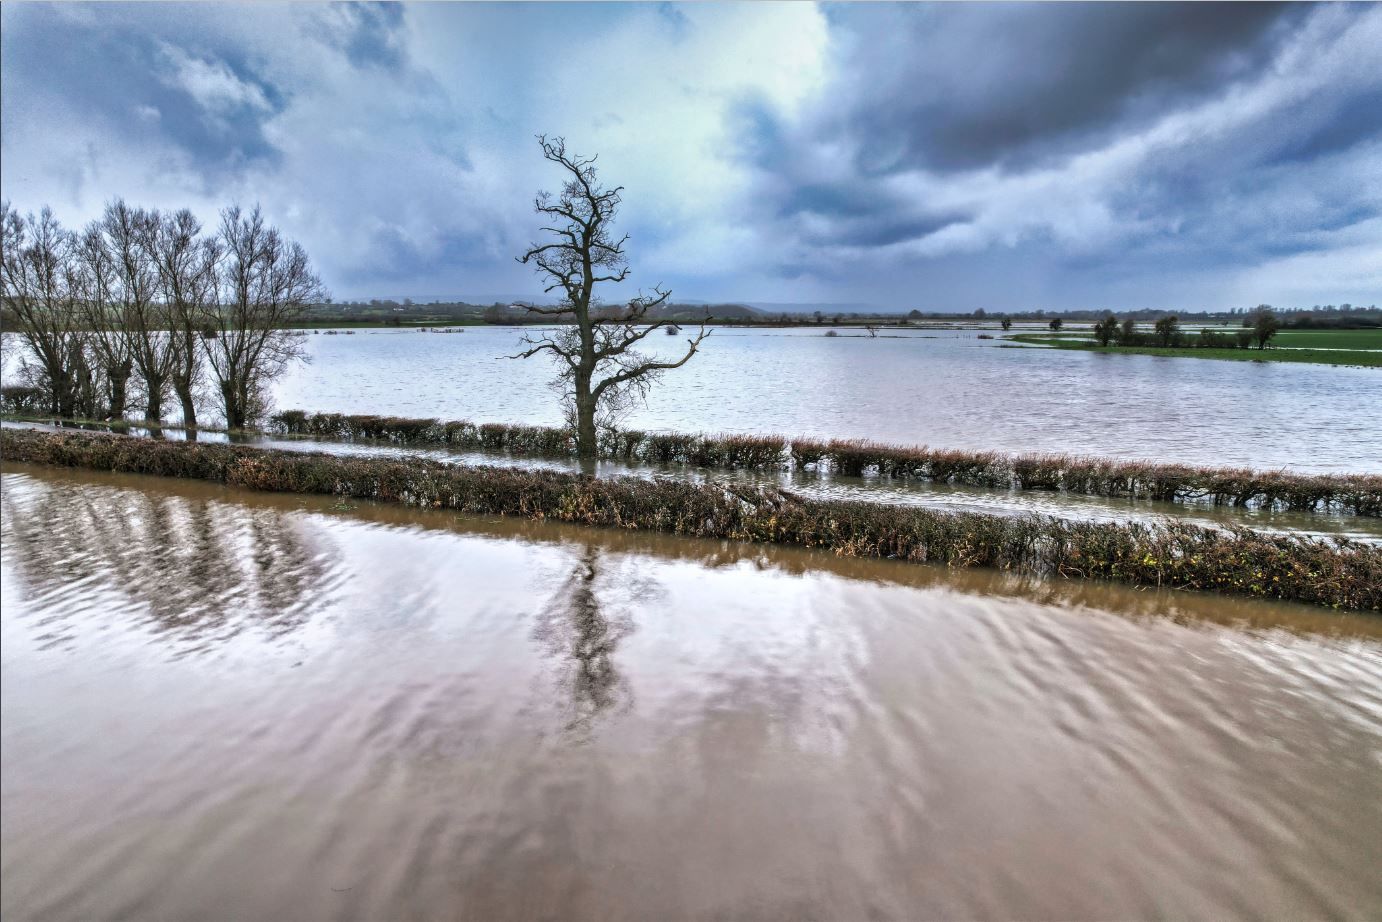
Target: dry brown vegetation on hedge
[
  {"x": 1334, "y": 573},
  {"x": 1358, "y": 494}
]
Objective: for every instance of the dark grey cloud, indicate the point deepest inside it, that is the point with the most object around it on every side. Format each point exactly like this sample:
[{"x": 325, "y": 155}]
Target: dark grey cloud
[
  {"x": 915, "y": 155},
  {"x": 207, "y": 100},
  {"x": 963, "y": 86},
  {"x": 1110, "y": 141}
]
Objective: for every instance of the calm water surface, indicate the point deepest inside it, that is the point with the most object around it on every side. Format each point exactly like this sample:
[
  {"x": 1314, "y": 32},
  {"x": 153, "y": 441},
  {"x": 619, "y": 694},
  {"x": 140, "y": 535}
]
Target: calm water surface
[
  {"x": 939, "y": 387},
  {"x": 227, "y": 705}
]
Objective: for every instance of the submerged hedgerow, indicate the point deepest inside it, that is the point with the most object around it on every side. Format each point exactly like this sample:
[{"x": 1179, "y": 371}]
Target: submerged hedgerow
[
  {"x": 1358, "y": 494},
  {"x": 1337, "y": 573}
]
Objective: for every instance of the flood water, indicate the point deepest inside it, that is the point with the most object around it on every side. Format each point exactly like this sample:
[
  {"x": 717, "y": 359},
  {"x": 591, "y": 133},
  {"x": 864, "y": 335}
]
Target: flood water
[
  {"x": 944, "y": 388},
  {"x": 224, "y": 704}
]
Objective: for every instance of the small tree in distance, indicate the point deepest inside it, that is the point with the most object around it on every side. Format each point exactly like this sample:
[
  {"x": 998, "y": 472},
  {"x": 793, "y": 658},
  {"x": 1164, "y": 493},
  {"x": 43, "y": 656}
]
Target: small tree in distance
[
  {"x": 1167, "y": 328},
  {"x": 1264, "y": 326},
  {"x": 1007, "y": 323},
  {"x": 1056, "y": 324},
  {"x": 1105, "y": 329},
  {"x": 599, "y": 371}
]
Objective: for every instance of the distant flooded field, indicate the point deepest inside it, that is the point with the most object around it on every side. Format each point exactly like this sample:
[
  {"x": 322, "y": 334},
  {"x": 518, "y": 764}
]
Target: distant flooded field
[
  {"x": 307, "y": 710},
  {"x": 945, "y": 388}
]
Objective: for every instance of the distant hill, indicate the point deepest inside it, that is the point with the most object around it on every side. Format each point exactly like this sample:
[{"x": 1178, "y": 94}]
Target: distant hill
[
  {"x": 693, "y": 312},
  {"x": 825, "y": 307}
]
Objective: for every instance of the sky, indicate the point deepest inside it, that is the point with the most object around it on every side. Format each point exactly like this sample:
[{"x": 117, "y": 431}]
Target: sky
[{"x": 940, "y": 157}]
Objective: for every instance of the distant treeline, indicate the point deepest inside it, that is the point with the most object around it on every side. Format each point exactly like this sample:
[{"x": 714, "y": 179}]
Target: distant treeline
[
  {"x": 389, "y": 312},
  {"x": 1360, "y": 494},
  {"x": 1258, "y": 329},
  {"x": 396, "y": 313},
  {"x": 1335, "y": 573},
  {"x": 1343, "y": 316}
]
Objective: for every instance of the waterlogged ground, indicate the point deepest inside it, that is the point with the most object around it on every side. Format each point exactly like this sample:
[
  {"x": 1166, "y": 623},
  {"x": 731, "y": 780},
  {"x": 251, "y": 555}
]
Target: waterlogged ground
[
  {"x": 221, "y": 704},
  {"x": 945, "y": 388},
  {"x": 942, "y": 497}
]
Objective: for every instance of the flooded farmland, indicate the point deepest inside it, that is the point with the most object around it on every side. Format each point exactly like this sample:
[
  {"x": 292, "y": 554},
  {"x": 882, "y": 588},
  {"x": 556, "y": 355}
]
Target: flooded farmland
[
  {"x": 944, "y": 388},
  {"x": 313, "y": 709}
]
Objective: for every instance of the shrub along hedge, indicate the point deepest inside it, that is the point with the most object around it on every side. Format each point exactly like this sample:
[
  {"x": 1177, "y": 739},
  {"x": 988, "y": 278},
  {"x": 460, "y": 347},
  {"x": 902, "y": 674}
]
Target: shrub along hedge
[
  {"x": 1356, "y": 494},
  {"x": 17, "y": 400},
  {"x": 1335, "y": 573}
]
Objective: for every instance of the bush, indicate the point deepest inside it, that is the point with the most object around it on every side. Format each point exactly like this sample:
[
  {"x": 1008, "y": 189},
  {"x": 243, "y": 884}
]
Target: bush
[
  {"x": 1337, "y": 573},
  {"x": 1213, "y": 339},
  {"x": 1106, "y": 329},
  {"x": 18, "y": 400},
  {"x": 1357, "y": 494}
]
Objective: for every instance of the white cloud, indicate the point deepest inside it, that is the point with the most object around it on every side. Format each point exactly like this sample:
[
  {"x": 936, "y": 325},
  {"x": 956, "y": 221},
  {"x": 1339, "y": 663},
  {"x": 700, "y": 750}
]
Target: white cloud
[
  {"x": 211, "y": 83},
  {"x": 415, "y": 174}
]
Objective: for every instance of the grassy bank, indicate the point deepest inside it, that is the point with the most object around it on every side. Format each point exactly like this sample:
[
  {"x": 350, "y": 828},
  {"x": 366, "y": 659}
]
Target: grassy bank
[
  {"x": 1322, "y": 356},
  {"x": 1329, "y": 339},
  {"x": 411, "y": 324},
  {"x": 1356, "y": 494},
  {"x": 1338, "y": 574}
]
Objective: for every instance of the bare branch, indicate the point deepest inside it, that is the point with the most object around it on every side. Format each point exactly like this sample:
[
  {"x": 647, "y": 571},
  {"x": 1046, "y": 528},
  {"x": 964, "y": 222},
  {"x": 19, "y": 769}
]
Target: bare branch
[
  {"x": 644, "y": 368},
  {"x": 599, "y": 369}
]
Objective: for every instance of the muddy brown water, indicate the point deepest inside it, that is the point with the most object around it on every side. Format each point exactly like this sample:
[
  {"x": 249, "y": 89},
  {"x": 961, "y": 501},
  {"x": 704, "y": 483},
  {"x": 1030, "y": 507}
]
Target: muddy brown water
[{"x": 227, "y": 705}]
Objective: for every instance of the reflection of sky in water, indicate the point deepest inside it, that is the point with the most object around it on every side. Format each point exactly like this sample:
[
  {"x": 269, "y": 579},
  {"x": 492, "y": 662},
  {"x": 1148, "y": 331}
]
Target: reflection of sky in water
[
  {"x": 936, "y": 387},
  {"x": 415, "y": 711},
  {"x": 942, "y": 388}
]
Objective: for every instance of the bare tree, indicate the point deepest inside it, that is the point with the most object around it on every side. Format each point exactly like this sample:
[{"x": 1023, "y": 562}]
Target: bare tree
[
  {"x": 97, "y": 291},
  {"x": 266, "y": 285},
  {"x": 599, "y": 370},
  {"x": 36, "y": 287},
  {"x": 124, "y": 232},
  {"x": 186, "y": 265}
]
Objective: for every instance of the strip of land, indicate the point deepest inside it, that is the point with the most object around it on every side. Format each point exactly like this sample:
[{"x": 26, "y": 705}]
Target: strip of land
[
  {"x": 1304, "y": 353},
  {"x": 1335, "y": 573},
  {"x": 1357, "y": 494},
  {"x": 1350, "y": 494}
]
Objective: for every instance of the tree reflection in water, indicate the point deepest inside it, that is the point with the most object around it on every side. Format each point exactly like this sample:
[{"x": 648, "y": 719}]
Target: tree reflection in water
[
  {"x": 191, "y": 569},
  {"x": 582, "y": 631}
]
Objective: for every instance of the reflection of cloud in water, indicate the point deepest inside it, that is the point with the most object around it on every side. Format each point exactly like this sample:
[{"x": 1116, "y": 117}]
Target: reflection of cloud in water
[
  {"x": 192, "y": 569},
  {"x": 581, "y": 627}
]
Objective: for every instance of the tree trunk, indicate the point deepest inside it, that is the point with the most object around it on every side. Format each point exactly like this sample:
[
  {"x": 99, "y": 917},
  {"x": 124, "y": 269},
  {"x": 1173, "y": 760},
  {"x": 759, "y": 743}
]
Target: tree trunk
[
  {"x": 154, "y": 411},
  {"x": 185, "y": 378},
  {"x": 119, "y": 379},
  {"x": 586, "y": 439},
  {"x": 82, "y": 396},
  {"x": 189, "y": 405},
  {"x": 235, "y": 407},
  {"x": 64, "y": 401}
]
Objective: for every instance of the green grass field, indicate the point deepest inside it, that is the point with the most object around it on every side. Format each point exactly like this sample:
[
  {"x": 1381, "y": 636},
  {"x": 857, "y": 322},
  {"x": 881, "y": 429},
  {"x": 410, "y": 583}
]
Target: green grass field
[
  {"x": 1329, "y": 339},
  {"x": 1325, "y": 355},
  {"x": 375, "y": 325}
]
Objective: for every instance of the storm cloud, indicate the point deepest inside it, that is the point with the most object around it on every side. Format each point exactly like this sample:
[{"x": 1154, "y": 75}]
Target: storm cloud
[{"x": 944, "y": 156}]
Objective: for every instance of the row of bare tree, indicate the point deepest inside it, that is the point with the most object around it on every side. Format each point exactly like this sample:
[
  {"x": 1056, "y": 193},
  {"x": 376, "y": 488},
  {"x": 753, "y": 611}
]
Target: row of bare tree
[{"x": 143, "y": 303}]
